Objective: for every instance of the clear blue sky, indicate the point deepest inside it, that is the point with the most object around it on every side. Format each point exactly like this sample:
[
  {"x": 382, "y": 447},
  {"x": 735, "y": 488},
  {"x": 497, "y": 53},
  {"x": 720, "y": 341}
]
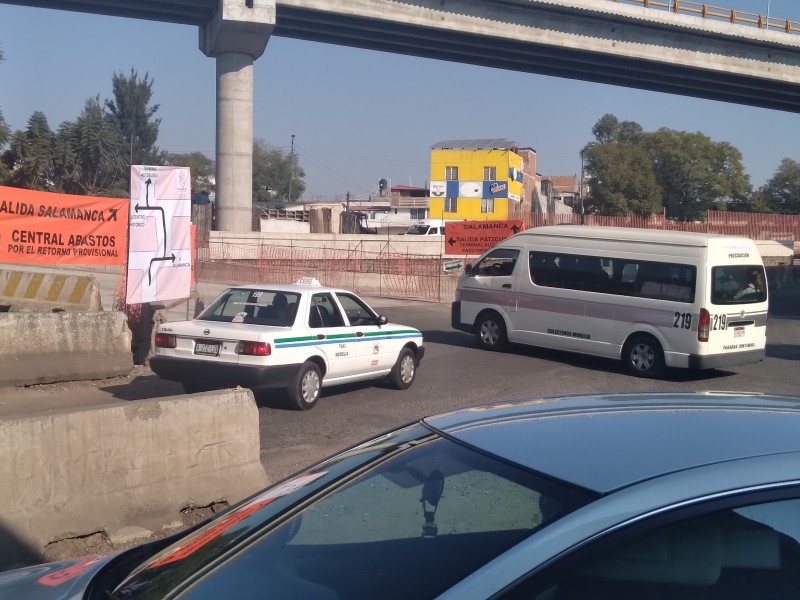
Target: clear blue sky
[{"x": 357, "y": 115}]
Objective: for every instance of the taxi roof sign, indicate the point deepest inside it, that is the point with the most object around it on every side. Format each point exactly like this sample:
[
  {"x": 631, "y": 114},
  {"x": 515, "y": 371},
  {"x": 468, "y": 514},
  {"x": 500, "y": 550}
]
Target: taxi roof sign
[{"x": 309, "y": 281}]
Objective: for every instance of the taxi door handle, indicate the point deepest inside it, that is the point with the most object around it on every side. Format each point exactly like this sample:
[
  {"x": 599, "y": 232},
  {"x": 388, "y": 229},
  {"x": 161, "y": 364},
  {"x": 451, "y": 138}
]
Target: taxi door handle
[
  {"x": 507, "y": 285},
  {"x": 359, "y": 334},
  {"x": 320, "y": 336}
]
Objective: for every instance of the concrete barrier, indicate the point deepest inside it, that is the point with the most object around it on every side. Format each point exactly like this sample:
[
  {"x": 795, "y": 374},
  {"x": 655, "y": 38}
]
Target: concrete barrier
[
  {"x": 125, "y": 467},
  {"x": 22, "y": 290},
  {"x": 40, "y": 347}
]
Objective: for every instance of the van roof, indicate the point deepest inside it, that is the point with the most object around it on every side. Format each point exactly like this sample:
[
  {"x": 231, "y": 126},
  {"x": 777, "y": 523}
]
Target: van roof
[{"x": 628, "y": 234}]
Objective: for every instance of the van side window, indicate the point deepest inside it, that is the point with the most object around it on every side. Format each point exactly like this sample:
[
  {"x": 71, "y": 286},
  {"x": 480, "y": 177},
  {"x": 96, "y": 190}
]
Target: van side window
[
  {"x": 498, "y": 263},
  {"x": 618, "y": 276}
]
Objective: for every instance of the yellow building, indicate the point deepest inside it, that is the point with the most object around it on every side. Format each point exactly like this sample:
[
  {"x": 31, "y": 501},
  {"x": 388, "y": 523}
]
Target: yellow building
[{"x": 479, "y": 180}]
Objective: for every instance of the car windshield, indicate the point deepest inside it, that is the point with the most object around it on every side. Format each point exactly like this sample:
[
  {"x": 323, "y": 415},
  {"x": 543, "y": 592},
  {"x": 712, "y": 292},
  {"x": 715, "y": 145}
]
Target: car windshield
[
  {"x": 418, "y": 229},
  {"x": 738, "y": 284},
  {"x": 253, "y": 306},
  {"x": 410, "y": 522}
]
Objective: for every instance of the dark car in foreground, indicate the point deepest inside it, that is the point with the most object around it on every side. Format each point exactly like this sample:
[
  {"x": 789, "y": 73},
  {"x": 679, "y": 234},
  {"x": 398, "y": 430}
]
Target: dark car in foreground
[{"x": 668, "y": 496}]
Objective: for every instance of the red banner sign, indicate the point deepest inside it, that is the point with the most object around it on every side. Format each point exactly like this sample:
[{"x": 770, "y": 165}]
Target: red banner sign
[
  {"x": 476, "y": 237},
  {"x": 41, "y": 228}
]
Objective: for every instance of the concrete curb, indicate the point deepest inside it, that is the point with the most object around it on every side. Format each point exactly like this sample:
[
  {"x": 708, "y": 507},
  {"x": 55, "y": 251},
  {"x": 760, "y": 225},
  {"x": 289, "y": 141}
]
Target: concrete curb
[
  {"x": 125, "y": 465},
  {"x": 67, "y": 346}
]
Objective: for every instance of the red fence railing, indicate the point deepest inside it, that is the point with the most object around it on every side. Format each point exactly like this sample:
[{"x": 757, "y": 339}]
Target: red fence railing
[{"x": 717, "y": 13}]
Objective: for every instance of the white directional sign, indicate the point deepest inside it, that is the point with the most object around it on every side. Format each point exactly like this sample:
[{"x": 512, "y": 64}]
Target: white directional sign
[{"x": 159, "y": 254}]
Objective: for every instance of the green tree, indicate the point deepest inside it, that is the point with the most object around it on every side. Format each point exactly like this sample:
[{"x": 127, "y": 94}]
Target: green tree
[
  {"x": 621, "y": 180},
  {"x": 5, "y": 135},
  {"x": 201, "y": 167},
  {"x": 695, "y": 173},
  {"x": 272, "y": 171},
  {"x": 782, "y": 191},
  {"x": 90, "y": 158},
  {"x": 610, "y": 129},
  {"x": 31, "y": 155},
  {"x": 135, "y": 117}
]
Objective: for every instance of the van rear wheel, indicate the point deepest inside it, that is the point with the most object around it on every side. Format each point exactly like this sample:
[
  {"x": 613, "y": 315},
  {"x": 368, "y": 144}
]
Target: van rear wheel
[
  {"x": 643, "y": 356},
  {"x": 490, "y": 332}
]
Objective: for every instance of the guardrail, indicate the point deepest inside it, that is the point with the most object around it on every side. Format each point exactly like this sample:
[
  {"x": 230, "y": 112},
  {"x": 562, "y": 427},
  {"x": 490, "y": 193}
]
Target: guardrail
[{"x": 718, "y": 13}]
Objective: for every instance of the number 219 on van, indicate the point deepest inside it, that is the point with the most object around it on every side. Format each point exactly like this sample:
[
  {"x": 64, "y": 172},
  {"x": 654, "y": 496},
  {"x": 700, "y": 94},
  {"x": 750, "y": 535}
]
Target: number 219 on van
[{"x": 653, "y": 299}]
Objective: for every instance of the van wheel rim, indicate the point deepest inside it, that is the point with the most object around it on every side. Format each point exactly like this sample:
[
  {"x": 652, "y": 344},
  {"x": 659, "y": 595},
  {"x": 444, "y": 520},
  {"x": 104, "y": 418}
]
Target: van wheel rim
[
  {"x": 642, "y": 357},
  {"x": 310, "y": 386},
  {"x": 490, "y": 333},
  {"x": 407, "y": 369}
]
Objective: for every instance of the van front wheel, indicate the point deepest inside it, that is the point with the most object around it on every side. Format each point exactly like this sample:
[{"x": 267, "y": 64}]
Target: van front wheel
[
  {"x": 490, "y": 332},
  {"x": 644, "y": 356}
]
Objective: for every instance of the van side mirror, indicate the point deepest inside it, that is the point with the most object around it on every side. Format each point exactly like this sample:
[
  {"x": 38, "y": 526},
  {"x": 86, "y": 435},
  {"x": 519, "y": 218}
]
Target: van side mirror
[{"x": 468, "y": 270}]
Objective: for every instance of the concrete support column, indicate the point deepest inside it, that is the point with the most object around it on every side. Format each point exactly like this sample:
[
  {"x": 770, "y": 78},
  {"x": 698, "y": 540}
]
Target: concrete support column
[
  {"x": 234, "y": 193},
  {"x": 236, "y": 36}
]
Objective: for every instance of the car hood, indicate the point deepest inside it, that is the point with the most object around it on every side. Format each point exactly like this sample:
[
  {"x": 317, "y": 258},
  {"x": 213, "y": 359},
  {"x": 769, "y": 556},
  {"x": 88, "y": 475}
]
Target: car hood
[{"x": 67, "y": 579}]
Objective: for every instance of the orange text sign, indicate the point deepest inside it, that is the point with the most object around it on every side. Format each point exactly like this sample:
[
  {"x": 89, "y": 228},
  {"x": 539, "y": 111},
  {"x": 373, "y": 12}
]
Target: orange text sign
[
  {"x": 41, "y": 228},
  {"x": 476, "y": 237}
]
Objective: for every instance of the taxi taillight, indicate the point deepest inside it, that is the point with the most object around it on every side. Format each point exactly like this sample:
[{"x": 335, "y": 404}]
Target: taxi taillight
[
  {"x": 704, "y": 326},
  {"x": 255, "y": 348},
  {"x": 166, "y": 340}
]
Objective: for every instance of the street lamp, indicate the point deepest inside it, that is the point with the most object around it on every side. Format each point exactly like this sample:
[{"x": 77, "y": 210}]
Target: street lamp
[{"x": 291, "y": 169}]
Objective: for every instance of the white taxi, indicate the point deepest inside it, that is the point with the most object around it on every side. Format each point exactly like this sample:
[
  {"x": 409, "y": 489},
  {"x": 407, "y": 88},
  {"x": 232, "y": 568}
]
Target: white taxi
[{"x": 301, "y": 337}]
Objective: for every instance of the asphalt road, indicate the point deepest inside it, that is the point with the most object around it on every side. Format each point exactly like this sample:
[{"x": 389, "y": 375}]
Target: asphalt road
[{"x": 454, "y": 374}]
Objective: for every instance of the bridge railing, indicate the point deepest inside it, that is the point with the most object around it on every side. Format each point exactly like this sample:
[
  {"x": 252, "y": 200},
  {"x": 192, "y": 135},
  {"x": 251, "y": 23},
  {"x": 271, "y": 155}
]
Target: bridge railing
[{"x": 718, "y": 13}]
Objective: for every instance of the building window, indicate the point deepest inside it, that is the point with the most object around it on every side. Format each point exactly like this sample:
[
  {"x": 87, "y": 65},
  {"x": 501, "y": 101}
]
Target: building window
[
  {"x": 450, "y": 205},
  {"x": 418, "y": 213},
  {"x": 487, "y": 205},
  {"x": 490, "y": 173},
  {"x": 451, "y": 173}
]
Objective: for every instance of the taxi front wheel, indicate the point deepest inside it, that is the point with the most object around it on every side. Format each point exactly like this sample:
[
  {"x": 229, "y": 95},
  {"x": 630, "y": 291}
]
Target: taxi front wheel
[
  {"x": 304, "y": 392},
  {"x": 404, "y": 370}
]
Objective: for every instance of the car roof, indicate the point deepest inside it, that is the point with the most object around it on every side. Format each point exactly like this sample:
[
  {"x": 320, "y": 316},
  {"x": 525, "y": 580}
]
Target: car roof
[
  {"x": 300, "y": 288},
  {"x": 606, "y": 442}
]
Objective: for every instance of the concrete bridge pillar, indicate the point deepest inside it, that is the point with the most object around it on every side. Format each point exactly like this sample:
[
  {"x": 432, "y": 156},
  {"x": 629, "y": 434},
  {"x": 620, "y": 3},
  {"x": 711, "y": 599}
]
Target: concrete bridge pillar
[{"x": 236, "y": 36}]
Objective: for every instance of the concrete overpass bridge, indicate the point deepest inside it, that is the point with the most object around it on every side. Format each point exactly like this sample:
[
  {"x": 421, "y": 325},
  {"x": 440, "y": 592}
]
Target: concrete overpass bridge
[{"x": 691, "y": 51}]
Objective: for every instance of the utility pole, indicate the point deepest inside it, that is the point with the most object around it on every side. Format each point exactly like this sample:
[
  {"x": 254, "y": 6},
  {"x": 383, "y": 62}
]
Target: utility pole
[{"x": 291, "y": 170}]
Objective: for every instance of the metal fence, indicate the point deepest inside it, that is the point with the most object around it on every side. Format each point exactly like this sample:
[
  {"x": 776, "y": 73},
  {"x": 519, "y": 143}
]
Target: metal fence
[
  {"x": 388, "y": 273},
  {"x": 757, "y": 226}
]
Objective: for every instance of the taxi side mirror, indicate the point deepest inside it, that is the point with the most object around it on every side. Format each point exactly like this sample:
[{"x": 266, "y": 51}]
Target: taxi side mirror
[{"x": 382, "y": 320}]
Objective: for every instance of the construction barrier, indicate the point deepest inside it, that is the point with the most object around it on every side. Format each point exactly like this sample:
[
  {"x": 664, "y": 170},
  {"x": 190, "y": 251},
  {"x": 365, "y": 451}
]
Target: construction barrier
[
  {"x": 22, "y": 290},
  {"x": 127, "y": 469},
  {"x": 67, "y": 346}
]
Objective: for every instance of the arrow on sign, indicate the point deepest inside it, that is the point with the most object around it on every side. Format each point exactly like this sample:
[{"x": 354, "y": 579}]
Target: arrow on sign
[
  {"x": 451, "y": 241},
  {"x": 515, "y": 228}
]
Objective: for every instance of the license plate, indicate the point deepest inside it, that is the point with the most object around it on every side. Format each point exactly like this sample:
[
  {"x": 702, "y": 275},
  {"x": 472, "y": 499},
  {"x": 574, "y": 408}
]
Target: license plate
[
  {"x": 738, "y": 332},
  {"x": 207, "y": 349}
]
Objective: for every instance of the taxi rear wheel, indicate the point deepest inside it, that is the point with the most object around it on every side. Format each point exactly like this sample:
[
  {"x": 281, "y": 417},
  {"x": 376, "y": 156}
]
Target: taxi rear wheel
[
  {"x": 404, "y": 370},
  {"x": 305, "y": 390}
]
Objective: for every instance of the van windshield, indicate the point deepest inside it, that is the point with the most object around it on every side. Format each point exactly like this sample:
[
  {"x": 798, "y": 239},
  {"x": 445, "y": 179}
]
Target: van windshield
[
  {"x": 418, "y": 229},
  {"x": 738, "y": 284}
]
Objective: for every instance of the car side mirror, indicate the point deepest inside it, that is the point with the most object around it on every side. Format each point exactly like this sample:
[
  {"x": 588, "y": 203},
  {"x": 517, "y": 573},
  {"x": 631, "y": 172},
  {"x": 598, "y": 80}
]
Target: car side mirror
[
  {"x": 382, "y": 320},
  {"x": 468, "y": 270}
]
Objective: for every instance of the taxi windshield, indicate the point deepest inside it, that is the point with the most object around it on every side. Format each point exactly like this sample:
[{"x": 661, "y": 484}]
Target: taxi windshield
[{"x": 253, "y": 306}]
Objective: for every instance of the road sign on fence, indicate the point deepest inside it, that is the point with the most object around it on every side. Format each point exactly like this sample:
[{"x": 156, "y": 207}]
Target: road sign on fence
[{"x": 476, "y": 237}]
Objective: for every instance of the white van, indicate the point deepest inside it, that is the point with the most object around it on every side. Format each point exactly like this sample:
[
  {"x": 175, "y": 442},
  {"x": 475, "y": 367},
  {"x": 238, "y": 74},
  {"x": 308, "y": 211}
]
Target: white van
[
  {"x": 652, "y": 298},
  {"x": 427, "y": 227}
]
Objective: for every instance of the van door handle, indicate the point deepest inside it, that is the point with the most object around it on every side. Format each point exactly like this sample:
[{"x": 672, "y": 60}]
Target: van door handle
[
  {"x": 320, "y": 336},
  {"x": 507, "y": 285},
  {"x": 359, "y": 334}
]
